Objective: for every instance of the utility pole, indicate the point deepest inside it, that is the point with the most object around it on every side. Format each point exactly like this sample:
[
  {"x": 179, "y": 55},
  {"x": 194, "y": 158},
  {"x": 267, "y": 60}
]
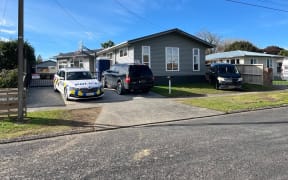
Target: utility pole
[{"x": 20, "y": 59}]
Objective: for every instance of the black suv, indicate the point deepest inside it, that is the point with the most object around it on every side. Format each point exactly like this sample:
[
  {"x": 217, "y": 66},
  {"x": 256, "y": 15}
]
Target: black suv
[
  {"x": 128, "y": 77},
  {"x": 224, "y": 76}
]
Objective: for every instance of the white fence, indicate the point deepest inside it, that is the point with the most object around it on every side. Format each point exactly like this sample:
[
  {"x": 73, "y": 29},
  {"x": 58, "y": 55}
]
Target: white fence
[{"x": 253, "y": 73}]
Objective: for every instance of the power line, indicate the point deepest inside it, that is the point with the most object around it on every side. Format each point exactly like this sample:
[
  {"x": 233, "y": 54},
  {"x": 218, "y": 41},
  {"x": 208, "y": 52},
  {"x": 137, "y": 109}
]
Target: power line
[
  {"x": 259, "y": 6},
  {"x": 69, "y": 14},
  {"x": 4, "y": 9},
  {"x": 135, "y": 14}
]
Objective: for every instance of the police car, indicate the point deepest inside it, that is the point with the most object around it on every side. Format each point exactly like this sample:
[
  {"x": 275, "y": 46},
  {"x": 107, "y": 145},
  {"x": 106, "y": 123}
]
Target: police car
[{"x": 77, "y": 83}]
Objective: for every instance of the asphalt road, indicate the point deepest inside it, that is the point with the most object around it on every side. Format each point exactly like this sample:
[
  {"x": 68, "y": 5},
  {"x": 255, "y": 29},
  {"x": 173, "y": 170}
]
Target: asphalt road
[{"x": 251, "y": 145}]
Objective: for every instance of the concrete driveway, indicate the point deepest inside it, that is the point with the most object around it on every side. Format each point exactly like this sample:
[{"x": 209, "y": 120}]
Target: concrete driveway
[{"x": 125, "y": 110}]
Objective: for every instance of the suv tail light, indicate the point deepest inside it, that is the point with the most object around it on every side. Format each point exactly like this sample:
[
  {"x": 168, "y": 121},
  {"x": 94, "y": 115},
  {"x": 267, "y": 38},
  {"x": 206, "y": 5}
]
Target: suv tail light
[{"x": 127, "y": 79}]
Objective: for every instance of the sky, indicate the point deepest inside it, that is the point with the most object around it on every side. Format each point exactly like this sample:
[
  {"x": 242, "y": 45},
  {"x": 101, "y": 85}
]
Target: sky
[{"x": 54, "y": 26}]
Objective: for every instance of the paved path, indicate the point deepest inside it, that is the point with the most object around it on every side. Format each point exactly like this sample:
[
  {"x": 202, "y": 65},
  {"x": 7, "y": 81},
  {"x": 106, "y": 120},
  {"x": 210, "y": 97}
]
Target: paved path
[{"x": 126, "y": 110}]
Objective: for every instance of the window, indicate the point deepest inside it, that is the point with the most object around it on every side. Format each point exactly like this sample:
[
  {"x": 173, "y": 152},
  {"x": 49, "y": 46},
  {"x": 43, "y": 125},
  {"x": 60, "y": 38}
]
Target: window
[
  {"x": 253, "y": 61},
  {"x": 123, "y": 52},
  {"x": 232, "y": 61},
  {"x": 269, "y": 63},
  {"x": 237, "y": 61},
  {"x": 62, "y": 64},
  {"x": 279, "y": 66},
  {"x": 228, "y": 61},
  {"x": 146, "y": 55},
  {"x": 109, "y": 55},
  {"x": 77, "y": 63},
  {"x": 172, "y": 59},
  {"x": 196, "y": 59}
]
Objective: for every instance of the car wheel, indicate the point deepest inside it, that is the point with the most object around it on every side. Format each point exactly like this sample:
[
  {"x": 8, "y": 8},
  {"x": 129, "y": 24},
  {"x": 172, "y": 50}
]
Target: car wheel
[
  {"x": 146, "y": 90},
  {"x": 119, "y": 88},
  {"x": 66, "y": 95}
]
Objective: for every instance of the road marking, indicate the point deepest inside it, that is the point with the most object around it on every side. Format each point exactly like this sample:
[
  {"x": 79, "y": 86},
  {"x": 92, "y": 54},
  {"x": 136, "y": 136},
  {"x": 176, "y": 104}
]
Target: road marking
[{"x": 140, "y": 155}]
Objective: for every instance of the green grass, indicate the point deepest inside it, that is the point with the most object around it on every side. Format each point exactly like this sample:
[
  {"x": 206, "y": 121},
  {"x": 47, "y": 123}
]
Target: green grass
[
  {"x": 201, "y": 89},
  {"x": 240, "y": 102},
  {"x": 280, "y": 82},
  {"x": 36, "y": 123}
]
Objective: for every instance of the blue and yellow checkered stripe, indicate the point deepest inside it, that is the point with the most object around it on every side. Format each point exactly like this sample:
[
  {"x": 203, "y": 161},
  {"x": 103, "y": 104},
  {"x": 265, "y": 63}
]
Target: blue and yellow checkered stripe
[{"x": 81, "y": 94}]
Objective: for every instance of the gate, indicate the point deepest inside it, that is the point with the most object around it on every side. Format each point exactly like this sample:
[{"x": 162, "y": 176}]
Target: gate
[{"x": 41, "y": 80}]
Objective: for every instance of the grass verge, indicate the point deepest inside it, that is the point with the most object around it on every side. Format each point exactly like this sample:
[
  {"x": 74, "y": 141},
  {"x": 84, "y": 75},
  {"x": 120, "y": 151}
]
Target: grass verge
[
  {"x": 232, "y": 103},
  {"x": 202, "y": 89},
  {"x": 48, "y": 122}
]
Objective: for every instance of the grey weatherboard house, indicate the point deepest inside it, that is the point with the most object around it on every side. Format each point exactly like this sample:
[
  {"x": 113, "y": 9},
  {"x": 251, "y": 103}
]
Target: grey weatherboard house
[{"x": 172, "y": 53}]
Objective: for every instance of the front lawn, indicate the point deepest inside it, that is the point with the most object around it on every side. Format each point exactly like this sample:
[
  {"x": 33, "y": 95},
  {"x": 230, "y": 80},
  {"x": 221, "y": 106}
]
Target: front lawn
[
  {"x": 232, "y": 103},
  {"x": 201, "y": 89},
  {"x": 48, "y": 122}
]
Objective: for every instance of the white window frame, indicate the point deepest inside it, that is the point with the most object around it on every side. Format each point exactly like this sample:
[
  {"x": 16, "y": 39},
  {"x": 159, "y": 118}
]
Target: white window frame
[
  {"x": 62, "y": 64},
  {"x": 197, "y": 56},
  {"x": 124, "y": 52},
  {"x": 110, "y": 55},
  {"x": 269, "y": 63},
  {"x": 166, "y": 58},
  {"x": 253, "y": 61},
  {"x": 149, "y": 55}
]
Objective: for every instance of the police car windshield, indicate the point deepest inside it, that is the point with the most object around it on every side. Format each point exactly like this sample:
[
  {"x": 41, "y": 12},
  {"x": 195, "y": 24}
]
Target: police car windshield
[{"x": 79, "y": 75}]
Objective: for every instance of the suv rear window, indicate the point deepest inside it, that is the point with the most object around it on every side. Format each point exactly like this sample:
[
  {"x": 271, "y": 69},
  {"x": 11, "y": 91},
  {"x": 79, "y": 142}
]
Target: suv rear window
[
  {"x": 138, "y": 71},
  {"x": 227, "y": 69}
]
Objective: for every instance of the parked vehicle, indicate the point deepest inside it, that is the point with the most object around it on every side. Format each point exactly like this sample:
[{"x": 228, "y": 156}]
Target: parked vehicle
[
  {"x": 128, "y": 77},
  {"x": 224, "y": 76},
  {"x": 77, "y": 83}
]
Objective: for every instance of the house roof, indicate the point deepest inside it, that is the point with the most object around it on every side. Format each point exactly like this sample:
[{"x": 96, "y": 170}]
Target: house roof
[
  {"x": 238, "y": 53},
  {"x": 46, "y": 64},
  {"x": 75, "y": 53},
  {"x": 176, "y": 30}
]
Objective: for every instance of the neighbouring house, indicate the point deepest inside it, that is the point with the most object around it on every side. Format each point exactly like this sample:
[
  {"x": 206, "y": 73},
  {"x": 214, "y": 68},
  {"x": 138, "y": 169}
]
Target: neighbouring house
[
  {"x": 173, "y": 53},
  {"x": 246, "y": 57},
  {"x": 46, "y": 67},
  {"x": 83, "y": 59}
]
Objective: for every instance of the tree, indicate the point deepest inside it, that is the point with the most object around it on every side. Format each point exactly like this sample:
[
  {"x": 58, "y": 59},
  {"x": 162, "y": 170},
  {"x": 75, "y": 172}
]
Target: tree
[
  {"x": 272, "y": 50},
  {"x": 283, "y": 52},
  {"x": 9, "y": 55},
  {"x": 242, "y": 45},
  {"x": 39, "y": 59},
  {"x": 107, "y": 44},
  {"x": 211, "y": 38}
]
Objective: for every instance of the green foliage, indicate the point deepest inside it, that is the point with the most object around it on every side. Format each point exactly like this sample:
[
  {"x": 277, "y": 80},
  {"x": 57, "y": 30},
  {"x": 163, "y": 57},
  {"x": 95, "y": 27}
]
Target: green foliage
[
  {"x": 8, "y": 78},
  {"x": 242, "y": 45},
  {"x": 107, "y": 44},
  {"x": 272, "y": 50},
  {"x": 9, "y": 55},
  {"x": 283, "y": 52}
]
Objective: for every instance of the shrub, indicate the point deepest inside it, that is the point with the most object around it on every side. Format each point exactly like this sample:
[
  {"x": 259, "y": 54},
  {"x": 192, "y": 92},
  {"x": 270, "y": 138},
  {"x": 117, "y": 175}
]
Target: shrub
[{"x": 8, "y": 78}]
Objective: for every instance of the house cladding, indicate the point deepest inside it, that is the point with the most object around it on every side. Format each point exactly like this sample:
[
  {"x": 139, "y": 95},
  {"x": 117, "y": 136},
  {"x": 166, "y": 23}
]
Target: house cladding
[{"x": 169, "y": 53}]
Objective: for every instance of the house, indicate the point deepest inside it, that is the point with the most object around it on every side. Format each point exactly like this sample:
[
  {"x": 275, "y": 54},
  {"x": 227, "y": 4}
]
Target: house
[
  {"x": 46, "y": 67},
  {"x": 173, "y": 53},
  {"x": 246, "y": 57},
  {"x": 83, "y": 59}
]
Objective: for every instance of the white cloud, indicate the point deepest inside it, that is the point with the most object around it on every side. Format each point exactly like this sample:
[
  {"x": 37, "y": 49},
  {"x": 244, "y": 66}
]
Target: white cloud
[
  {"x": 6, "y": 31},
  {"x": 4, "y": 39},
  {"x": 5, "y": 23}
]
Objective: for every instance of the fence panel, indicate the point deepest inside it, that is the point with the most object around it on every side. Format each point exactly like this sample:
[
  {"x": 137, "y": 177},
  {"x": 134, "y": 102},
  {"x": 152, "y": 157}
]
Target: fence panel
[
  {"x": 251, "y": 73},
  {"x": 9, "y": 102}
]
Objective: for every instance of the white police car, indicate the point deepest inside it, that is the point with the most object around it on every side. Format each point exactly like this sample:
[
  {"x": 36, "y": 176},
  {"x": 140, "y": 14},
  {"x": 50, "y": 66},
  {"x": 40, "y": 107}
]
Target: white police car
[{"x": 77, "y": 83}]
